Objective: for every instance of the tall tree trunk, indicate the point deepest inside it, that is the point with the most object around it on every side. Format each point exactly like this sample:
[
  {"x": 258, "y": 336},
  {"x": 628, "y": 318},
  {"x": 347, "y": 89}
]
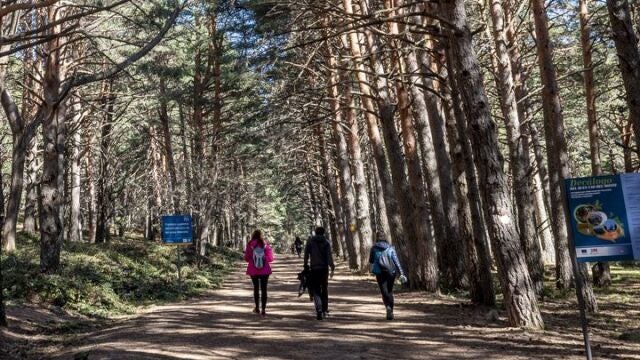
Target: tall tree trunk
[
  {"x": 382, "y": 217},
  {"x": 52, "y": 185},
  {"x": 602, "y": 277},
  {"x": 555, "y": 143},
  {"x": 519, "y": 296},
  {"x": 20, "y": 141},
  {"x": 186, "y": 157},
  {"x": 626, "y": 42},
  {"x": 91, "y": 185},
  {"x": 363, "y": 207},
  {"x": 425, "y": 244},
  {"x": 330, "y": 179},
  {"x": 558, "y": 158},
  {"x": 542, "y": 223},
  {"x": 3, "y": 315},
  {"x": 436, "y": 167},
  {"x": 517, "y": 149},
  {"x": 342, "y": 159},
  {"x": 31, "y": 188},
  {"x": 394, "y": 216},
  {"x": 419, "y": 277},
  {"x": 168, "y": 147},
  {"x": 477, "y": 255},
  {"x": 75, "y": 221},
  {"x": 104, "y": 184}
]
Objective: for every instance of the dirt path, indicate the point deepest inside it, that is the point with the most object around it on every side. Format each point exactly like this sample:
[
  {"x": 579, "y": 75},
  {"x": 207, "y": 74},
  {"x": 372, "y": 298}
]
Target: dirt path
[{"x": 222, "y": 326}]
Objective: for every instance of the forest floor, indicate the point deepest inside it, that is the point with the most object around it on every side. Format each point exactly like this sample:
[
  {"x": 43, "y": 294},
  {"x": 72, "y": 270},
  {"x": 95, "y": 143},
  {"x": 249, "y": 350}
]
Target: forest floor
[{"x": 221, "y": 325}]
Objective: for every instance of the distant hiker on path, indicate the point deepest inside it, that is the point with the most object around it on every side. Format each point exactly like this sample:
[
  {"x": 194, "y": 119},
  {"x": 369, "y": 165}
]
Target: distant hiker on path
[
  {"x": 318, "y": 249},
  {"x": 298, "y": 245},
  {"x": 386, "y": 266},
  {"x": 258, "y": 256}
]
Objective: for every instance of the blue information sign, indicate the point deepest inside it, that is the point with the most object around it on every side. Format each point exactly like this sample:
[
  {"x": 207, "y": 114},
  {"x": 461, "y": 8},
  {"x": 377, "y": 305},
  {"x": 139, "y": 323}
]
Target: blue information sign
[
  {"x": 605, "y": 217},
  {"x": 176, "y": 229}
]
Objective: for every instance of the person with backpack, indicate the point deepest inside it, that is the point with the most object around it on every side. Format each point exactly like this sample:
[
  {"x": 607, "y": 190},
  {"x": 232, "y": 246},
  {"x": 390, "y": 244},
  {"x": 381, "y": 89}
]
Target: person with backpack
[
  {"x": 259, "y": 256},
  {"x": 318, "y": 254},
  {"x": 386, "y": 267}
]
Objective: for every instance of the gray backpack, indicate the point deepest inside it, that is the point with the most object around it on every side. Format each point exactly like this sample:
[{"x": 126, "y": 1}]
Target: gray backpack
[
  {"x": 386, "y": 261},
  {"x": 258, "y": 257}
]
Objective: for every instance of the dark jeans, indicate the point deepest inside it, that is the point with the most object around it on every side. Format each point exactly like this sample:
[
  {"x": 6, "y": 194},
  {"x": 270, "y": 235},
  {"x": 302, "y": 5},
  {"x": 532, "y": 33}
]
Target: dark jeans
[
  {"x": 385, "y": 282},
  {"x": 298, "y": 250},
  {"x": 319, "y": 288},
  {"x": 260, "y": 285}
]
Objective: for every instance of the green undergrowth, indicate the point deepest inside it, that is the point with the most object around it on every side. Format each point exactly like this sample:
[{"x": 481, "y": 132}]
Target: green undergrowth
[{"x": 105, "y": 280}]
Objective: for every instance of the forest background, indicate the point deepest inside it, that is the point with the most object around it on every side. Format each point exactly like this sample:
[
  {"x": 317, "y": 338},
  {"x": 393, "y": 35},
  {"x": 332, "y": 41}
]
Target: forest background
[{"x": 447, "y": 125}]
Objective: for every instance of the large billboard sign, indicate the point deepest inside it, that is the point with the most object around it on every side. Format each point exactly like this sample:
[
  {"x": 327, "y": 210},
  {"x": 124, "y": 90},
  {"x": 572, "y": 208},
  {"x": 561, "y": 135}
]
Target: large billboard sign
[{"x": 605, "y": 217}]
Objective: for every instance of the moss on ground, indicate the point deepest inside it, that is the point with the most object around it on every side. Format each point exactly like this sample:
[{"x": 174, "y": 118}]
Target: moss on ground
[{"x": 105, "y": 280}]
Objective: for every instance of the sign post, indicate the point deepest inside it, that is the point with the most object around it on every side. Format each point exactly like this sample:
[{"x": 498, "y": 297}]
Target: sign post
[
  {"x": 177, "y": 230},
  {"x": 604, "y": 225}
]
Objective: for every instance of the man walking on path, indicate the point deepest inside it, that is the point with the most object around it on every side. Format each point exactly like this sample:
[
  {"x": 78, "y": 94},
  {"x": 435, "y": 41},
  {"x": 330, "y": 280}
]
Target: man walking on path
[
  {"x": 318, "y": 250},
  {"x": 386, "y": 266},
  {"x": 298, "y": 245}
]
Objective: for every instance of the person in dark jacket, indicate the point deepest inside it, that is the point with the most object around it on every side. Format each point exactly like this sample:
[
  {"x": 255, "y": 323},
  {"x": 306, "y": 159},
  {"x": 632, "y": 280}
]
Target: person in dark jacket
[
  {"x": 318, "y": 258},
  {"x": 386, "y": 270},
  {"x": 298, "y": 245}
]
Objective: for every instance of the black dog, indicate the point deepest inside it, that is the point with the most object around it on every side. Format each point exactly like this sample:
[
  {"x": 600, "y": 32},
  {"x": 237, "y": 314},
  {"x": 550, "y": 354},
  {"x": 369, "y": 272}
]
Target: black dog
[{"x": 305, "y": 279}]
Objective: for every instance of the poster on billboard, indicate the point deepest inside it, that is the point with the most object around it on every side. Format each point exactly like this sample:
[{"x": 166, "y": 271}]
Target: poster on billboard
[{"x": 605, "y": 217}]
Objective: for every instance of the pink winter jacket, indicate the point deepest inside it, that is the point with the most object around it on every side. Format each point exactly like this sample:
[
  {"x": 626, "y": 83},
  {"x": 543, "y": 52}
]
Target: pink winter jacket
[{"x": 248, "y": 257}]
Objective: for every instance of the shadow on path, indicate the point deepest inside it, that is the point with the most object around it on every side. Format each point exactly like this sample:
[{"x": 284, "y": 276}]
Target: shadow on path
[{"x": 222, "y": 326}]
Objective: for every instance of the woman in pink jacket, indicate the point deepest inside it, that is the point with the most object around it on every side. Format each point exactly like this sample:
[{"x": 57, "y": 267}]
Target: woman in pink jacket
[{"x": 258, "y": 256}]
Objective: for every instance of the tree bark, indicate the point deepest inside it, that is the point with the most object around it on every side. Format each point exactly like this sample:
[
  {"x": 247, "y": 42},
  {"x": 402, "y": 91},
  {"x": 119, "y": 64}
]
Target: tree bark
[
  {"x": 92, "y": 209},
  {"x": 75, "y": 221},
  {"x": 603, "y": 271},
  {"x": 3, "y": 314},
  {"x": 31, "y": 188},
  {"x": 394, "y": 216},
  {"x": 419, "y": 276},
  {"x": 519, "y": 296},
  {"x": 103, "y": 196},
  {"x": 436, "y": 167},
  {"x": 20, "y": 141},
  {"x": 330, "y": 180},
  {"x": 344, "y": 169},
  {"x": 52, "y": 185},
  {"x": 626, "y": 42},
  {"x": 517, "y": 149},
  {"x": 477, "y": 255},
  {"x": 363, "y": 204},
  {"x": 168, "y": 147},
  {"x": 558, "y": 158}
]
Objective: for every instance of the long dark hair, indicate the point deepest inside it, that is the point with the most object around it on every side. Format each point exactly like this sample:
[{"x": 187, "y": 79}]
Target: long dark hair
[{"x": 257, "y": 236}]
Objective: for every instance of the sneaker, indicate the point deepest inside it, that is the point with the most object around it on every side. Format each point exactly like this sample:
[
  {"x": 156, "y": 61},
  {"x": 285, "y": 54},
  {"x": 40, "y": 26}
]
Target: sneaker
[
  {"x": 389, "y": 313},
  {"x": 263, "y": 313},
  {"x": 255, "y": 310},
  {"x": 325, "y": 314},
  {"x": 319, "y": 315}
]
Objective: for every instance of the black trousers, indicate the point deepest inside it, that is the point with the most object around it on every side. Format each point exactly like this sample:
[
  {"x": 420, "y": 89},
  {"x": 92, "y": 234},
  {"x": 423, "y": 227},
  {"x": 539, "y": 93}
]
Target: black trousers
[
  {"x": 319, "y": 288},
  {"x": 260, "y": 285},
  {"x": 385, "y": 282}
]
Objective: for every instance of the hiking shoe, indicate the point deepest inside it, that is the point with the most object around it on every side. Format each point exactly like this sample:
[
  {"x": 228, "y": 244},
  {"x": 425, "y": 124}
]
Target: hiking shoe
[
  {"x": 319, "y": 315},
  {"x": 389, "y": 313}
]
